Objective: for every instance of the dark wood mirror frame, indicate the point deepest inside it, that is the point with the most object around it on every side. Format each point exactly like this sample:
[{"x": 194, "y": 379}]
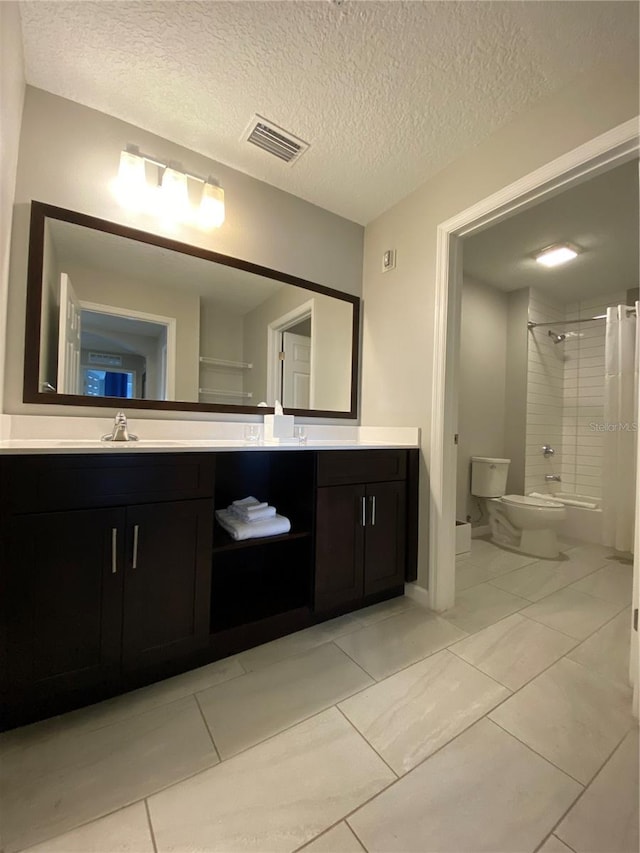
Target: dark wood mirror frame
[{"x": 32, "y": 393}]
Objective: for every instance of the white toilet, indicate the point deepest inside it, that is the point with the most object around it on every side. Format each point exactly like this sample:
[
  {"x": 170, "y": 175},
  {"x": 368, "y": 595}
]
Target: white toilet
[{"x": 522, "y": 523}]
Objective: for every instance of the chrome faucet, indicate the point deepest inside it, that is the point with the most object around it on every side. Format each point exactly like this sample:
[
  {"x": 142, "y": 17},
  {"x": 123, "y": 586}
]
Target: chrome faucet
[
  {"x": 120, "y": 431},
  {"x": 552, "y": 478}
]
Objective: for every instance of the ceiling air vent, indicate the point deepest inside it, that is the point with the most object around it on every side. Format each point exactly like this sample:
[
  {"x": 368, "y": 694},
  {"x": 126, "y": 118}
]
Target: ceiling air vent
[{"x": 274, "y": 140}]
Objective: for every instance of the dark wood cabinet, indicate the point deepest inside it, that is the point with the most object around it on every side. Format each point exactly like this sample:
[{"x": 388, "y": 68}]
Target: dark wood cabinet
[
  {"x": 96, "y": 600},
  {"x": 361, "y": 528},
  {"x": 167, "y": 570},
  {"x": 114, "y": 574},
  {"x": 62, "y": 602}
]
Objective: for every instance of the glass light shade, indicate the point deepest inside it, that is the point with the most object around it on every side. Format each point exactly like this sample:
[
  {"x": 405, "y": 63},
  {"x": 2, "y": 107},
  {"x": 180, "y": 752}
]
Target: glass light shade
[
  {"x": 131, "y": 183},
  {"x": 556, "y": 255},
  {"x": 211, "y": 212},
  {"x": 174, "y": 195}
]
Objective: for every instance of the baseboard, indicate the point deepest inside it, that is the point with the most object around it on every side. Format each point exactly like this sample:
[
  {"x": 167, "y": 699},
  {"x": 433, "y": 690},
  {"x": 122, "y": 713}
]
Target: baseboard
[
  {"x": 484, "y": 530},
  {"x": 417, "y": 593}
]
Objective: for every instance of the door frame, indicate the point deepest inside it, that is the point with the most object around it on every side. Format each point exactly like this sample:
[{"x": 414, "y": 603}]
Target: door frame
[
  {"x": 304, "y": 311},
  {"x": 159, "y": 320},
  {"x": 612, "y": 148}
]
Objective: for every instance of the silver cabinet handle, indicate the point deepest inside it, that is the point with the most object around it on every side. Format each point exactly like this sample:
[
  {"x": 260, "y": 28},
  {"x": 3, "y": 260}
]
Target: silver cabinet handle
[
  {"x": 135, "y": 546},
  {"x": 373, "y": 510},
  {"x": 363, "y": 517},
  {"x": 114, "y": 550}
]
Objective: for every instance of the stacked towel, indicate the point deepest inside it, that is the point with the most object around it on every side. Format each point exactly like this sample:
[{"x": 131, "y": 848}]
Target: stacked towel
[
  {"x": 251, "y": 509},
  {"x": 239, "y": 529}
]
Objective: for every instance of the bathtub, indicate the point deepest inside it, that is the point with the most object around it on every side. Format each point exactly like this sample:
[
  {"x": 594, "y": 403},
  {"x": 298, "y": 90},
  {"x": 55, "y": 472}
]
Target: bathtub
[{"x": 584, "y": 516}]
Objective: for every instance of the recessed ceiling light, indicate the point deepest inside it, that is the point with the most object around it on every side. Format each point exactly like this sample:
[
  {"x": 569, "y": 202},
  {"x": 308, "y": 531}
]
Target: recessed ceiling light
[{"x": 553, "y": 256}]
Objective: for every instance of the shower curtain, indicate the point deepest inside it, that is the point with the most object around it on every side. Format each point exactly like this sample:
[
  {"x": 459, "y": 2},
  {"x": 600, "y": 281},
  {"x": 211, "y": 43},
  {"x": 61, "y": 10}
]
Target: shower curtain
[{"x": 621, "y": 425}]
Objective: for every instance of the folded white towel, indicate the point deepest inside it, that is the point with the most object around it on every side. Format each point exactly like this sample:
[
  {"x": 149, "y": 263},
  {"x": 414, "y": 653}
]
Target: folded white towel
[
  {"x": 238, "y": 529},
  {"x": 247, "y": 502},
  {"x": 253, "y": 513}
]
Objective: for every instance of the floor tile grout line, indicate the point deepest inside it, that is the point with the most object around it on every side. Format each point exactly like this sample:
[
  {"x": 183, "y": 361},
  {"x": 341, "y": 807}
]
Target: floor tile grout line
[
  {"x": 583, "y": 785},
  {"x": 133, "y": 716},
  {"x": 588, "y": 636},
  {"x": 209, "y": 732},
  {"x": 325, "y": 642},
  {"x": 551, "y": 835},
  {"x": 588, "y": 785},
  {"x": 153, "y": 835},
  {"x": 360, "y": 841},
  {"x": 366, "y": 740}
]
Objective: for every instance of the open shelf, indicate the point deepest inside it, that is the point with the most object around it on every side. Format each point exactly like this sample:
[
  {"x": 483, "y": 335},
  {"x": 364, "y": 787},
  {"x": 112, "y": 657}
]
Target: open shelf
[{"x": 224, "y": 542}]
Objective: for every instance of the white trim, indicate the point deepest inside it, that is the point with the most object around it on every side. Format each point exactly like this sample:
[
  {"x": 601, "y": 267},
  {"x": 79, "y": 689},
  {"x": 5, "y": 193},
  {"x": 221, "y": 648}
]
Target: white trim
[
  {"x": 303, "y": 312},
  {"x": 611, "y": 148},
  {"x": 169, "y": 322},
  {"x": 417, "y": 593}
]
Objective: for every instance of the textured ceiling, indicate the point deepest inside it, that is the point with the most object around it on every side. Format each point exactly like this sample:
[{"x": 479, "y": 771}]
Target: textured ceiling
[
  {"x": 600, "y": 216},
  {"x": 386, "y": 93}
]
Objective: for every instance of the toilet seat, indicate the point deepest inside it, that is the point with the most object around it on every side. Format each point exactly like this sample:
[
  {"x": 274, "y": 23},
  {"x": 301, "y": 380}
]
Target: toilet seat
[{"x": 526, "y": 501}]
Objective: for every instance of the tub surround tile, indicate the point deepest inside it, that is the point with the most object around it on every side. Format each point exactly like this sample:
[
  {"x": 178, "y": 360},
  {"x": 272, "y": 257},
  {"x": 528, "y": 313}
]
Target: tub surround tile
[
  {"x": 102, "y": 770},
  {"x": 482, "y": 605},
  {"x": 514, "y": 650},
  {"x": 572, "y": 717},
  {"x": 606, "y": 815},
  {"x": 543, "y": 577},
  {"x": 397, "y": 642},
  {"x": 249, "y": 709},
  {"x": 612, "y": 583},
  {"x": 340, "y": 839},
  {"x": 418, "y": 710},
  {"x": 124, "y": 831},
  {"x": 572, "y": 612},
  {"x": 607, "y": 651},
  {"x": 274, "y": 797},
  {"x": 499, "y": 796}
]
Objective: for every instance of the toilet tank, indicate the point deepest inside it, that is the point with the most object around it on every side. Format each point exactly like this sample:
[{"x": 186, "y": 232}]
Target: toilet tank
[{"x": 489, "y": 476}]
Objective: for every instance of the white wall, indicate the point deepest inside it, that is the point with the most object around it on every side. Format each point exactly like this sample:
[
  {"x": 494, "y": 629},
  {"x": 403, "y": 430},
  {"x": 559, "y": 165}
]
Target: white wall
[
  {"x": 69, "y": 154},
  {"x": 481, "y": 383},
  {"x": 515, "y": 415},
  {"x": 399, "y": 306},
  {"x": 12, "y": 88}
]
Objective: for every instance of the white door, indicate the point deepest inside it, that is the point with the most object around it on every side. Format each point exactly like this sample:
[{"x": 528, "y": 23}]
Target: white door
[
  {"x": 68, "y": 339},
  {"x": 296, "y": 372}
]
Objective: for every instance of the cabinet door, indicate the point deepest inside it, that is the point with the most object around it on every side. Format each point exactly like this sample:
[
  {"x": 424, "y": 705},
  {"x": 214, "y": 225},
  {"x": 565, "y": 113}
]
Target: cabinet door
[
  {"x": 339, "y": 546},
  {"x": 385, "y": 537},
  {"x": 167, "y": 581},
  {"x": 61, "y": 595}
]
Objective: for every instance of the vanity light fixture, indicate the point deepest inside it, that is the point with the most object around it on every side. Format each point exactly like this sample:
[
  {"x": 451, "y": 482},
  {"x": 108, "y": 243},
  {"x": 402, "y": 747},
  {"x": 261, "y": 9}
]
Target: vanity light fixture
[
  {"x": 168, "y": 194},
  {"x": 558, "y": 254}
]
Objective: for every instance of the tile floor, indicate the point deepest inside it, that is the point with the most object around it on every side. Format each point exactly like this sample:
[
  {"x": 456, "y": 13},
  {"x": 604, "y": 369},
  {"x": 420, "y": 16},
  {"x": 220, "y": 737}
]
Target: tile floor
[{"x": 503, "y": 725}]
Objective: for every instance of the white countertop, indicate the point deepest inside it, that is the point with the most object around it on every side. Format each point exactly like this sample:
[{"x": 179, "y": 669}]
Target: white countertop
[{"x": 75, "y": 446}]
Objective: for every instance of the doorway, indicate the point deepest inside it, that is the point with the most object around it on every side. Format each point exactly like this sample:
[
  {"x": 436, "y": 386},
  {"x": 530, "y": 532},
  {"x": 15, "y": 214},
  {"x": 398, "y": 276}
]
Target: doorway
[
  {"x": 291, "y": 353},
  {"x": 613, "y": 148}
]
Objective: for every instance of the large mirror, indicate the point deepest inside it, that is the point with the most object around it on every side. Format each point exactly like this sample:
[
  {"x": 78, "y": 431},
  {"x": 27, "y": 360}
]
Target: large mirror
[{"x": 117, "y": 314}]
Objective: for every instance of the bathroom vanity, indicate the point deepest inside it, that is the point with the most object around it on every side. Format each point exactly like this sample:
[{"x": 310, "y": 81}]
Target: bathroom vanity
[{"x": 114, "y": 573}]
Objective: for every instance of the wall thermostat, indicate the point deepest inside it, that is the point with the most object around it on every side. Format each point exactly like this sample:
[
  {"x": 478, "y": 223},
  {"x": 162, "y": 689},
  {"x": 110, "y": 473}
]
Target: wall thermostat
[{"x": 388, "y": 260}]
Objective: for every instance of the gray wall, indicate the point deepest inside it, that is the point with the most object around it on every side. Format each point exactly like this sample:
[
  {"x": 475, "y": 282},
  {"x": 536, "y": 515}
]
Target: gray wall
[
  {"x": 69, "y": 156},
  {"x": 12, "y": 87},
  {"x": 515, "y": 410},
  {"x": 481, "y": 383}
]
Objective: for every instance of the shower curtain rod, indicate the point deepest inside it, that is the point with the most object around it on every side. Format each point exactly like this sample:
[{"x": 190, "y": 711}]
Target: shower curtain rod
[{"x": 531, "y": 325}]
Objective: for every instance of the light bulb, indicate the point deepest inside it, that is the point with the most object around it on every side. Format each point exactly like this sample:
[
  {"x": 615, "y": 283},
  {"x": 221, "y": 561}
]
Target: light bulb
[
  {"x": 174, "y": 196},
  {"x": 131, "y": 184},
  {"x": 211, "y": 212}
]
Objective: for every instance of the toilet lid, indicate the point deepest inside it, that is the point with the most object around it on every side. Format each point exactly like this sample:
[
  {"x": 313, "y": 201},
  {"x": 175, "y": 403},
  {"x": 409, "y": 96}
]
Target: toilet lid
[{"x": 524, "y": 500}]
